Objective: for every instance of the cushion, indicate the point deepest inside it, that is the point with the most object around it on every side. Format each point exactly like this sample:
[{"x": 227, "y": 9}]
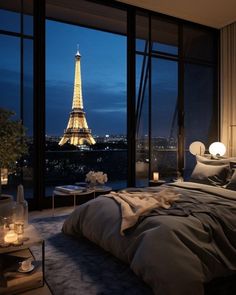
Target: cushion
[
  {"x": 216, "y": 162},
  {"x": 210, "y": 174},
  {"x": 233, "y": 164},
  {"x": 232, "y": 183}
]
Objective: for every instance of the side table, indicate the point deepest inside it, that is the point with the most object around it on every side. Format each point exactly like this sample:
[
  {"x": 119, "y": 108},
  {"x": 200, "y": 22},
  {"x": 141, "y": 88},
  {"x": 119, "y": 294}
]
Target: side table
[
  {"x": 72, "y": 193},
  {"x": 13, "y": 281}
]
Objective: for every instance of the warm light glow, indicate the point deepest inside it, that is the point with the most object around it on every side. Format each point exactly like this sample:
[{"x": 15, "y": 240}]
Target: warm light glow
[
  {"x": 217, "y": 149},
  {"x": 4, "y": 175},
  {"x": 197, "y": 148},
  {"x": 155, "y": 176},
  {"x": 10, "y": 237}
]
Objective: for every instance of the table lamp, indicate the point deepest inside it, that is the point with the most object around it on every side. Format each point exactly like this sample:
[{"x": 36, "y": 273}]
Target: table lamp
[{"x": 217, "y": 149}]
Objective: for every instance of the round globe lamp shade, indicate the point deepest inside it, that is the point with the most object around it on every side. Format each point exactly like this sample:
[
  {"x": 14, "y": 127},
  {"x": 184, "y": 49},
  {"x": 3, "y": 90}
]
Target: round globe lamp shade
[
  {"x": 217, "y": 149},
  {"x": 197, "y": 148}
]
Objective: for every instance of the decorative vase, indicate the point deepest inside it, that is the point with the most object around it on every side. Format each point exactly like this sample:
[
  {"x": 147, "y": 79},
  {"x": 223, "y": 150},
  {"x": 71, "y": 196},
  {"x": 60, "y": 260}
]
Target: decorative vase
[
  {"x": 91, "y": 185},
  {"x": 21, "y": 206},
  {"x": 95, "y": 185}
]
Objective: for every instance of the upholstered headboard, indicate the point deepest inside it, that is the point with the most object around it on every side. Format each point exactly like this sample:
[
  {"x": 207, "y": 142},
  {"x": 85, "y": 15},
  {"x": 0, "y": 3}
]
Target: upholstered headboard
[{"x": 232, "y": 140}]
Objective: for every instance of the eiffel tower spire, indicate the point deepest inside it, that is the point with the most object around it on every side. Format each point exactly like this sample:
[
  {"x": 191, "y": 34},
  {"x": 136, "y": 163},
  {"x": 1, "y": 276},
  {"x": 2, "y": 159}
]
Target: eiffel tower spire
[{"x": 77, "y": 131}]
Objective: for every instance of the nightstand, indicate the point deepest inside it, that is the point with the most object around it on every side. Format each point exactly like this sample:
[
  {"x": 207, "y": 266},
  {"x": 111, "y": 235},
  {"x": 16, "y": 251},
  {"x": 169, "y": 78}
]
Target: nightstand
[
  {"x": 73, "y": 194},
  {"x": 156, "y": 183},
  {"x": 12, "y": 280}
]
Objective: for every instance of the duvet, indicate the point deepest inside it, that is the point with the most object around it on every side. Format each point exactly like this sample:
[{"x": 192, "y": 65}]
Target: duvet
[{"x": 174, "y": 250}]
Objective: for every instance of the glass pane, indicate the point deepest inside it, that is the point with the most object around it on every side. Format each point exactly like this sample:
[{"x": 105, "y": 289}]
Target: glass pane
[
  {"x": 142, "y": 32},
  {"x": 199, "y": 44},
  {"x": 103, "y": 80},
  {"x": 164, "y": 36},
  {"x": 200, "y": 109},
  {"x": 28, "y": 116},
  {"x": 164, "y": 117},
  {"x": 9, "y": 21},
  {"x": 28, "y": 17},
  {"x": 142, "y": 115},
  {"x": 10, "y": 92},
  {"x": 10, "y": 73},
  {"x": 28, "y": 24}
]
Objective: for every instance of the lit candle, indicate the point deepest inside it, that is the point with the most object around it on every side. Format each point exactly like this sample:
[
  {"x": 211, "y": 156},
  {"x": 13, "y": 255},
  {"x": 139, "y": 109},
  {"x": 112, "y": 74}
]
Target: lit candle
[
  {"x": 10, "y": 237},
  {"x": 155, "y": 176}
]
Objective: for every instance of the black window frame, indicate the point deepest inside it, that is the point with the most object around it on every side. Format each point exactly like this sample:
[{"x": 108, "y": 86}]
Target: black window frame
[{"x": 38, "y": 37}]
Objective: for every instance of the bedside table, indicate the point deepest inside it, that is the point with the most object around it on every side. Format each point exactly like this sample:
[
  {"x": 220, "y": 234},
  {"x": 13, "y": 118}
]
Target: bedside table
[
  {"x": 73, "y": 194},
  {"x": 156, "y": 183},
  {"x": 13, "y": 281}
]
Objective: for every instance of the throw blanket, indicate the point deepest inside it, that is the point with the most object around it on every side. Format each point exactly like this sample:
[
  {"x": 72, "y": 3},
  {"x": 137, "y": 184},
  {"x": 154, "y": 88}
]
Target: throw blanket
[{"x": 135, "y": 204}]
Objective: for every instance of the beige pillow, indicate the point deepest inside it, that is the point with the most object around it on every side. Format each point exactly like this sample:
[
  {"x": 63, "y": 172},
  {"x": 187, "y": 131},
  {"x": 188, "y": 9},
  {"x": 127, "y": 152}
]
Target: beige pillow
[
  {"x": 210, "y": 174},
  {"x": 215, "y": 162}
]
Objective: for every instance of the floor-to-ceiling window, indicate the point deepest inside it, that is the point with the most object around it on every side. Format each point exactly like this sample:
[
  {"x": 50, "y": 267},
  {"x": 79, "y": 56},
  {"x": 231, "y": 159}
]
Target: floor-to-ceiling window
[
  {"x": 200, "y": 90},
  {"x": 142, "y": 112},
  {"x": 103, "y": 91},
  {"x": 164, "y": 110},
  {"x": 176, "y": 78},
  {"x": 176, "y": 95},
  {"x": 16, "y": 84},
  {"x": 164, "y": 98}
]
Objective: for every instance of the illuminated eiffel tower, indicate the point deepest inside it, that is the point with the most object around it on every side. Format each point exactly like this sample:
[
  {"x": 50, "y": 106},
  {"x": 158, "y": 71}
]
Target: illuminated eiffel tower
[{"x": 77, "y": 131}]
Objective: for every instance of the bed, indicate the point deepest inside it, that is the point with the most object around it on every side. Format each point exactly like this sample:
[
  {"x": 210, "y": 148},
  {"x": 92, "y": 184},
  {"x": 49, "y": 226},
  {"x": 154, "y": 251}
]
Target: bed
[{"x": 175, "y": 250}]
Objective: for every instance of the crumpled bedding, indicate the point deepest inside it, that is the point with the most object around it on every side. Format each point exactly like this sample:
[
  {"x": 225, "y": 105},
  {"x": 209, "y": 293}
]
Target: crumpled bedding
[
  {"x": 133, "y": 205},
  {"x": 174, "y": 250}
]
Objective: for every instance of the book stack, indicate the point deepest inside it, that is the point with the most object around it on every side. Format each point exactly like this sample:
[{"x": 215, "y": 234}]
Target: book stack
[
  {"x": 12, "y": 281},
  {"x": 70, "y": 189}
]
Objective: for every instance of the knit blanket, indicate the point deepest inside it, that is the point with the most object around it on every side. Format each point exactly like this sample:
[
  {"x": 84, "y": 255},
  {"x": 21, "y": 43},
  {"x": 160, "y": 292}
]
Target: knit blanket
[{"x": 135, "y": 204}]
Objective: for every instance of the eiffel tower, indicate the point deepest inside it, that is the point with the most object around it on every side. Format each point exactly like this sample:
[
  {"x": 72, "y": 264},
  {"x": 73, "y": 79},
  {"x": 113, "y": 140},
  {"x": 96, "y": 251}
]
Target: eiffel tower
[{"x": 77, "y": 131}]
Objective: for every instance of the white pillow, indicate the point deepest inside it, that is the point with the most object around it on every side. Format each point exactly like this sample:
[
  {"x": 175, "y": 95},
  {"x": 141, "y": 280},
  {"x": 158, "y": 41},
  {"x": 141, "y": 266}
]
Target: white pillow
[
  {"x": 215, "y": 162},
  {"x": 210, "y": 174}
]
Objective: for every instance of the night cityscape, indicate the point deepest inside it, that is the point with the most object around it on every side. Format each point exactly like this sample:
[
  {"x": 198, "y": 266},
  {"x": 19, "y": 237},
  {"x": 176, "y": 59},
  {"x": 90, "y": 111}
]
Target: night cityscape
[{"x": 104, "y": 103}]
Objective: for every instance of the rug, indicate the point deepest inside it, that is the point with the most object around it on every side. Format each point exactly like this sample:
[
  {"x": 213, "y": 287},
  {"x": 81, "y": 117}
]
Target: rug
[{"x": 77, "y": 266}]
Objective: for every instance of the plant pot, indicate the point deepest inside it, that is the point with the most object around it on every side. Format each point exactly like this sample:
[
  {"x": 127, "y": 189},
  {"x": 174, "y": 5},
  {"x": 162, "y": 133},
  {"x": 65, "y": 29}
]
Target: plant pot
[
  {"x": 5, "y": 199},
  {"x": 6, "y": 205}
]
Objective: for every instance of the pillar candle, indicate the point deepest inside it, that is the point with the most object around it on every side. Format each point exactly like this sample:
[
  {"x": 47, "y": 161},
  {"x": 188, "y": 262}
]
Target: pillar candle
[
  {"x": 10, "y": 237},
  {"x": 155, "y": 176}
]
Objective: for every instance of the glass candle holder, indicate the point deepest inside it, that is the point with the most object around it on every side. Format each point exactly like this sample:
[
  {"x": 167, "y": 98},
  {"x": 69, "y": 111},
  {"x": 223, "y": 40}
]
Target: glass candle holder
[
  {"x": 10, "y": 236},
  {"x": 4, "y": 228},
  {"x": 19, "y": 227}
]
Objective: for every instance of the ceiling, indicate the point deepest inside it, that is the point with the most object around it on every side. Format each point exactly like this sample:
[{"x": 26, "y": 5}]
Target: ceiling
[{"x": 213, "y": 13}]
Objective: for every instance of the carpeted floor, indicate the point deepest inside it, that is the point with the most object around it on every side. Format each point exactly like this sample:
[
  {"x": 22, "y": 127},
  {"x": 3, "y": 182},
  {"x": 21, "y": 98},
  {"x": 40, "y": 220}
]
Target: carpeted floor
[
  {"x": 75, "y": 267},
  {"x": 78, "y": 267}
]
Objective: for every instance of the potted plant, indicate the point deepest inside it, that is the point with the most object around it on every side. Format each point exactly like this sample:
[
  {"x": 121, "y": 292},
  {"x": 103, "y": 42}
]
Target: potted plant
[{"x": 12, "y": 142}]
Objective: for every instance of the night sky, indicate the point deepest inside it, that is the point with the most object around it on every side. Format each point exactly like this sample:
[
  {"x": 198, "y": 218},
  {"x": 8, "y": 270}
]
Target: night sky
[{"x": 103, "y": 68}]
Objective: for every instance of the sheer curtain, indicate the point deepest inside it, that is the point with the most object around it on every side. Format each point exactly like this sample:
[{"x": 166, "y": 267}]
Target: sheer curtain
[{"x": 228, "y": 88}]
